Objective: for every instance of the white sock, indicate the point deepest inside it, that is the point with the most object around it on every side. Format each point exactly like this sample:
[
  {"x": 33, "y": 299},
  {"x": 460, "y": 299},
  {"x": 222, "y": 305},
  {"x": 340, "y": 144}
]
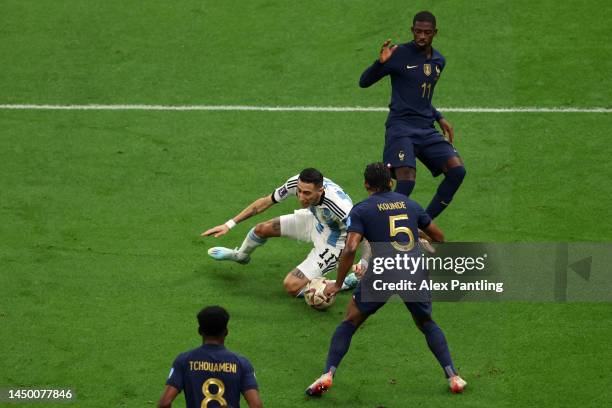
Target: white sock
[{"x": 251, "y": 241}]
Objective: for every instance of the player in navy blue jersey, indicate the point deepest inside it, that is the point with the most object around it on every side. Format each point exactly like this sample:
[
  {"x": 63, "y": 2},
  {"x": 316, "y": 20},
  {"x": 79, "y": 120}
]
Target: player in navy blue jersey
[
  {"x": 211, "y": 375},
  {"x": 415, "y": 68},
  {"x": 384, "y": 217}
]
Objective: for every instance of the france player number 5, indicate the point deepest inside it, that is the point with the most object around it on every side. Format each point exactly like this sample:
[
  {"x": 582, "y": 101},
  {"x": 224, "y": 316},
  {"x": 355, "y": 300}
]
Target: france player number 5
[
  {"x": 394, "y": 229},
  {"x": 209, "y": 396}
]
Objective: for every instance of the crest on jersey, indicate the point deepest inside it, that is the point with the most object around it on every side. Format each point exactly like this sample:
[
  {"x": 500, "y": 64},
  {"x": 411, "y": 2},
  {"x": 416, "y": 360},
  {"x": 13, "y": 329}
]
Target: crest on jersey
[
  {"x": 326, "y": 213},
  {"x": 427, "y": 69},
  {"x": 401, "y": 155}
]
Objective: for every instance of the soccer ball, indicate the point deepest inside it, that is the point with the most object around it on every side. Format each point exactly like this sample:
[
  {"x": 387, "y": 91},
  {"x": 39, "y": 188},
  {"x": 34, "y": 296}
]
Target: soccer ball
[{"x": 313, "y": 294}]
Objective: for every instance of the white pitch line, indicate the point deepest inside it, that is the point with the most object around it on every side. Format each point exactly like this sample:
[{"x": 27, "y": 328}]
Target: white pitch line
[{"x": 292, "y": 108}]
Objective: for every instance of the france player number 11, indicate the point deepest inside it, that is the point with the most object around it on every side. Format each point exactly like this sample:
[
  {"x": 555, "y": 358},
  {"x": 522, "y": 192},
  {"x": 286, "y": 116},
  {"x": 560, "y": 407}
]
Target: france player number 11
[
  {"x": 209, "y": 396},
  {"x": 426, "y": 90}
]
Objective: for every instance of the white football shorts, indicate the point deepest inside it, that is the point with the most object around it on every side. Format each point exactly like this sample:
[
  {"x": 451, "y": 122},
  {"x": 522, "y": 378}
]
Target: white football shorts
[{"x": 301, "y": 225}]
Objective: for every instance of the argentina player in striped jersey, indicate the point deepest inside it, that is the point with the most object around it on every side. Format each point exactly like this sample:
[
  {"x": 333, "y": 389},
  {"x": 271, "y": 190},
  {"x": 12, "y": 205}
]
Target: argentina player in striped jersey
[{"x": 321, "y": 221}]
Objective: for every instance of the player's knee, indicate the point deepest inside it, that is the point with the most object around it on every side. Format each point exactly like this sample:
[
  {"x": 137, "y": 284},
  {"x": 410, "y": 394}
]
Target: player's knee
[
  {"x": 262, "y": 229},
  {"x": 405, "y": 173},
  {"x": 292, "y": 286},
  {"x": 353, "y": 315},
  {"x": 456, "y": 174},
  {"x": 354, "y": 318}
]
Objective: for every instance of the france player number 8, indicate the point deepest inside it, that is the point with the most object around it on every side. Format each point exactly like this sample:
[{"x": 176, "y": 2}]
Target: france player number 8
[
  {"x": 394, "y": 230},
  {"x": 209, "y": 396}
]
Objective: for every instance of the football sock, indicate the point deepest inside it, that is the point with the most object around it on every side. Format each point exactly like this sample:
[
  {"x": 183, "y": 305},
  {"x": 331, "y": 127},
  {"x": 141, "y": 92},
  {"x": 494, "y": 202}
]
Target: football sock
[
  {"x": 251, "y": 242},
  {"x": 404, "y": 187},
  {"x": 447, "y": 189},
  {"x": 340, "y": 344},
  {"x": 438, "y": 346}
]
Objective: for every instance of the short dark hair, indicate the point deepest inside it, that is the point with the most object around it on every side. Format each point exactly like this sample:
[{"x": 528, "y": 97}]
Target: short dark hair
[
  {"x": 378, "y": 176},
  {"x": 424, "y": 16},
  {"x": 311, "y": 175},
  {"x": 213, "y": 321}
]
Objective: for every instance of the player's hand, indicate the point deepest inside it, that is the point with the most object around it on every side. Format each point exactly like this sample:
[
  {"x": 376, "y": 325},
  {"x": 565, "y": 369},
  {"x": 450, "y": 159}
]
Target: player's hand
[
  {"x": 216, "y": 231},
  {"x": 386, "y": 52},
  {"x": 425, "y": 242},
  {"x": 423, "y": 234},
  {"x": 447, "y": 128},
  {"x": 359, "y": 270},
  {"x": 331, "y": 289}
]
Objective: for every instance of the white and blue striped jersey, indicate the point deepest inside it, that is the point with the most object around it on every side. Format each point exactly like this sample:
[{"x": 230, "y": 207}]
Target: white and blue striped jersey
[{"x": 330, "y": 213}]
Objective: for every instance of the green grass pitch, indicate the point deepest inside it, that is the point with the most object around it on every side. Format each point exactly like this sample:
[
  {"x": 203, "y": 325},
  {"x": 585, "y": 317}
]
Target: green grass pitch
[{"x": 101, "y": 266}]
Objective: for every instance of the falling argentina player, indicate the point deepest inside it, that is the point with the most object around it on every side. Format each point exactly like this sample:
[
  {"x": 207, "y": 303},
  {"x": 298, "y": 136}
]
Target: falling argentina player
[{"x": 321, "y": 221}]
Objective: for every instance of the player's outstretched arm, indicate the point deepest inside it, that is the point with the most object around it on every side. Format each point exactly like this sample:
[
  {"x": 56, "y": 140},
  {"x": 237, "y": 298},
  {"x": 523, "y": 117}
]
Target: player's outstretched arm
[
  {"x": 252, "y": 398},
  {"x": 366, "y": 254},
  {"x": 377, "y": 70},
  {"x": 434, "y": 232},
  {"x": 256, "y": 207},
  {"x": 346, "y": 261},
  {"x": 167, "y": 397}
]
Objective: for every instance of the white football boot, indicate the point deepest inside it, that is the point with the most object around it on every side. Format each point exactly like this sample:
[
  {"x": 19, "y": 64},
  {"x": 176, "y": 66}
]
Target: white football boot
[
  {"x": 350, "y": 282},
  {"x": 227, "y": 254},
  {"x": 457, "y": 384},
  {"x": 321, "y": 385}
]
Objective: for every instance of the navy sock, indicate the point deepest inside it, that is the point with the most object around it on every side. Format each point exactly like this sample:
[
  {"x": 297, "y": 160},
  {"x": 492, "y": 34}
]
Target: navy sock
[
  {"x": 438, "y": 346},
  {"x": 447, "y": 189},
  {"x": 340, "y": 344},
  {"x": 404, "y": 187}
]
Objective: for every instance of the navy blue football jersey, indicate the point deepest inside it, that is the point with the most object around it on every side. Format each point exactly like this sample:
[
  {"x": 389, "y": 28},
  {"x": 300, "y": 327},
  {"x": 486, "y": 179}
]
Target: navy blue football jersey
[
  {"x": 413, "y": 80},
  {"x": 388, "y": 217},
  {"x": 212, "y": 376}
]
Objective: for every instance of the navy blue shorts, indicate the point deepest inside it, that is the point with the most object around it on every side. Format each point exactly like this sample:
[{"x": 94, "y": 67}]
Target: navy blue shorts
[
  {"x": 403, "y": 145},
  {"x": 419, "y": 310}
]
